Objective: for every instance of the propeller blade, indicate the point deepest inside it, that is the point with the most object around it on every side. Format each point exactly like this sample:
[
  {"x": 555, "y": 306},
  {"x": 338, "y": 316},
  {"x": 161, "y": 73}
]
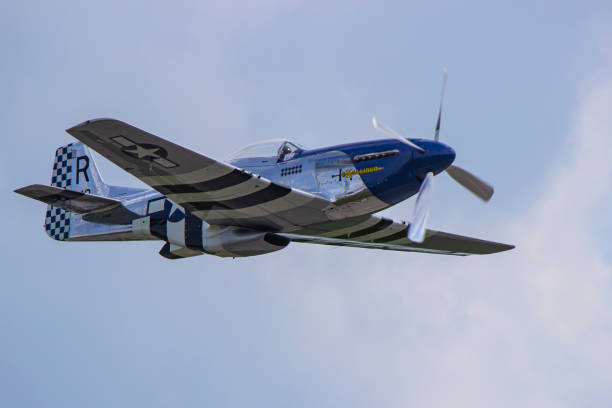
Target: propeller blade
[
  {"x": 480, "y": 188},
  {"x": 386, "y": 129},
  {"x": 437, "y": 131},
  {"x": 418, "y": 226}
]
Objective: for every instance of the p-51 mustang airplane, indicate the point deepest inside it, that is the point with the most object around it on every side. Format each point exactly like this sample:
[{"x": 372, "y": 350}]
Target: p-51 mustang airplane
[{"x": 266, "y": 196}]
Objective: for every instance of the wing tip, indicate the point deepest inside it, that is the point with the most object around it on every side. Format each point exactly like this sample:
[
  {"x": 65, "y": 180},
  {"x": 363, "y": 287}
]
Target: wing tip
[
  {"x": 469, "y": 245},
  {"x": 88, "y": 122},
  {"x": 20, "y": 190},
  {"x": 498, "y": 247}
]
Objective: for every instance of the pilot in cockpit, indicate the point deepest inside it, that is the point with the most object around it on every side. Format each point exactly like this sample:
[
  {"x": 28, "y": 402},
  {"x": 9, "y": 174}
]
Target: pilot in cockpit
[
  {"x": 284, "y": 153},
  {"x": 287, "y": 151}
]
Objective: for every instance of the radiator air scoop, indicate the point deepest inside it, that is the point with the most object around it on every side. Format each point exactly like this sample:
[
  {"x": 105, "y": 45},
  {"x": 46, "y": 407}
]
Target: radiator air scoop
[{"x": 240, "y": 242}]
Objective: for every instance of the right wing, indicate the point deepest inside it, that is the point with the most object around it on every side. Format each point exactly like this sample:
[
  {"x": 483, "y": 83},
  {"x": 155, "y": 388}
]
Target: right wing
[
  {"x": 213, "y": 191},
  {"x": 382, "y": 233}
]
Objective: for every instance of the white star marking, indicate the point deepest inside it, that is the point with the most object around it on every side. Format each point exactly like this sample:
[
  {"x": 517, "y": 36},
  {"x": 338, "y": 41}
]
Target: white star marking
[{"x": 142, "y": 152}]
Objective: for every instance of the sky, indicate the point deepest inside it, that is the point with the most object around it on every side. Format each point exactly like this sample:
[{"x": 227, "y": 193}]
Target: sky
[{"x": 527, "y": 108}]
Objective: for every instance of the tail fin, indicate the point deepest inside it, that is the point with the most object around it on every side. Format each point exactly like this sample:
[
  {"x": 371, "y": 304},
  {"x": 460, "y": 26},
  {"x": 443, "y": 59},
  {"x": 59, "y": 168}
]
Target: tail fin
[{"x": 73, "y": 169}]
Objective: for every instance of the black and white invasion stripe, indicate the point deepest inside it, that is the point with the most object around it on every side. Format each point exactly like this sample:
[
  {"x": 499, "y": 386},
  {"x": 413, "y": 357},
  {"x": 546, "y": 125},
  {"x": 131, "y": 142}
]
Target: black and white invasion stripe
[{"x": 223, "y": 197}]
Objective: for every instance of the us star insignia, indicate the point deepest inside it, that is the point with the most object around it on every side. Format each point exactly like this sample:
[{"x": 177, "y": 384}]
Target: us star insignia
[{"x": 144, "y": 151}]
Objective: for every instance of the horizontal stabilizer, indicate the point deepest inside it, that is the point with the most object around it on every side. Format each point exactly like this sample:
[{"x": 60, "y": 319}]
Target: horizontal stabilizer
[{"x": 93, "y": 208}]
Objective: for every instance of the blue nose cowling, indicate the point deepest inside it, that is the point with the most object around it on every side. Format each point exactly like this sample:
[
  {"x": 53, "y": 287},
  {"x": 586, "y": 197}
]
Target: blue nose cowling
[
  {"x": 437, "y": 157},
  {"x": 445, "y": 157}
]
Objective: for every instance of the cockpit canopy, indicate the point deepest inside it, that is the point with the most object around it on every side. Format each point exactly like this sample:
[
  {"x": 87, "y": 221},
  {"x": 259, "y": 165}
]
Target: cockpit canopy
[{"x": 278, "y": 149}]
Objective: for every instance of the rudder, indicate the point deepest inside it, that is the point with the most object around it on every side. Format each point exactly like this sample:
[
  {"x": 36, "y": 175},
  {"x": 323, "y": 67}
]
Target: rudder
[{"x": 73, "y": 169}]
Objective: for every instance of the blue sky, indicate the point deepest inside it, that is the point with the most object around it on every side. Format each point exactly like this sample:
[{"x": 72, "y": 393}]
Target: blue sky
[{"x": 527, "y": 108}]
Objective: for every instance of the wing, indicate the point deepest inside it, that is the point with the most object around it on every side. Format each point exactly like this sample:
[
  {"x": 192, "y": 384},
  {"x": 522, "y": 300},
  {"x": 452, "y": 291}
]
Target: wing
[
  {"x": 382, "y": 233},
  {"x": 93, "y": 208},
  {"x": 216, "y": 192}
]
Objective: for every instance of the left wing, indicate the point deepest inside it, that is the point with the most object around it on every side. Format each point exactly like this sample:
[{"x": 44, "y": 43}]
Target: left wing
[
  {"x": 382, "y": 233},
  {"x": 215, "y": 192}
]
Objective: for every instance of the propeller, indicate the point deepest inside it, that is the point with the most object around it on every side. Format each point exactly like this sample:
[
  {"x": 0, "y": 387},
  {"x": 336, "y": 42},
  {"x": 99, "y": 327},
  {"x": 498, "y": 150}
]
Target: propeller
[
  {"x": 386, "y": 129},
  {"x": 418, "y": 226},
  {"x": 437, "y": 131},
  {"x": 478, "y": 187}
]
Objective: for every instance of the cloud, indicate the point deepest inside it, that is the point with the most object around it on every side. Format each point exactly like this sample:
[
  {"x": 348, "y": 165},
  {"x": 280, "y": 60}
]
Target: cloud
[
  {"x": 529, "y": 327},
  {"x": 572, "y": 273}
]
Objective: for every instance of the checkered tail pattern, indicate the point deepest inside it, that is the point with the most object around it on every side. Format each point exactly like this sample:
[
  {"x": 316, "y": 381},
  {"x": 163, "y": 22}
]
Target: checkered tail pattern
[{"x": 57, "y": 221}]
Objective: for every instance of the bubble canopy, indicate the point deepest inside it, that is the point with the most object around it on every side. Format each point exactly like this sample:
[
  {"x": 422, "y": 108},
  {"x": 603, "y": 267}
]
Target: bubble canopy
[{"x": 280, "y": 148}]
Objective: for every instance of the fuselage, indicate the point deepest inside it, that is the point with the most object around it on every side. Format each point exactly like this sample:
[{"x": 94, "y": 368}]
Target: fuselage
[
  {"x": 360, "y": 178},
  {"x": 367, "y": 176}
]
